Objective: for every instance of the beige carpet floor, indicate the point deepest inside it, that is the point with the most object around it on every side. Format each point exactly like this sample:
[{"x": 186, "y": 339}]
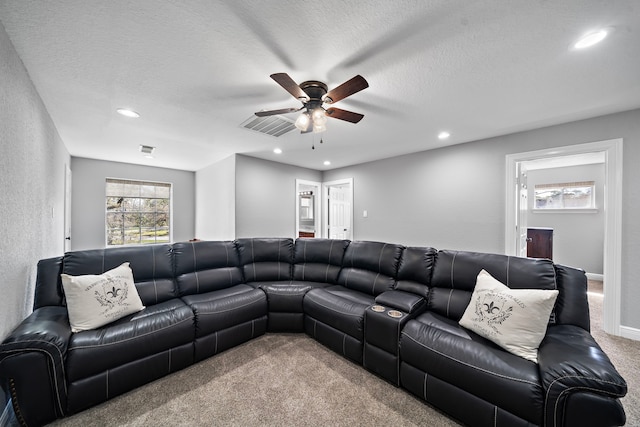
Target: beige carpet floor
[{"x": 289, "y": 379}]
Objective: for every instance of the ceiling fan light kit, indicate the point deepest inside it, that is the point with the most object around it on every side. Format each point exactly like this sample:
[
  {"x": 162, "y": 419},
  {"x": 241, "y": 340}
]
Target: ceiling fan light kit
[{"x": 314, "y": 95}]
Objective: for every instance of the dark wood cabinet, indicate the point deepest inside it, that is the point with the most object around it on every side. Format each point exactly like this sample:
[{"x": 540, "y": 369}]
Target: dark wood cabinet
[{"x": 540, "y": 242}]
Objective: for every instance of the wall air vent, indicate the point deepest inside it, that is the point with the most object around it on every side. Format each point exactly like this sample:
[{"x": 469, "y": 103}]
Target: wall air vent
[{"x": 270, "y": 125}]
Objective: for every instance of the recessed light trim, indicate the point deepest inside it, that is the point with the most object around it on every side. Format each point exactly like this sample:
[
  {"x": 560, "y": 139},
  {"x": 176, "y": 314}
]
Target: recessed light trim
[
  {"x": 277, "y": 150},
  {"x": 327, "y": 162},
  {"x": 590, "y": 39},
  {"x": 127, "y": 113},
  {"x": 444, "y": 135}
]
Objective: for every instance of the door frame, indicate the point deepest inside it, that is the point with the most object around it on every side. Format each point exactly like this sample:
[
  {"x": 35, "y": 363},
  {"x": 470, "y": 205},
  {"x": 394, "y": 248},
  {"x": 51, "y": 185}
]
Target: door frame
[
  {"x": 317, "y": 208},
  {"x": 325, "y": 198},
  {"x": 613, "y": 216}
]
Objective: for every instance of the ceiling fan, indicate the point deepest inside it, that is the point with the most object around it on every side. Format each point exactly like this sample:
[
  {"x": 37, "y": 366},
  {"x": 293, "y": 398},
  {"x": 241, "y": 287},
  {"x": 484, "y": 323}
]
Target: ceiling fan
[{"x": 314, "y": 95}]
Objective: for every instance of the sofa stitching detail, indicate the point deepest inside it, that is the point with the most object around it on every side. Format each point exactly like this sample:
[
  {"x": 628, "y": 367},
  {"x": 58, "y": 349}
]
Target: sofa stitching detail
[
  {"x": 449, "y": 301},
  {"x": 508, "y": 268},
  {"x": 129, "y": 339},
  {"x": 107, "y": 384},
  {"x": 153, "y": 273},
  {"x": 553, "y": 383},
  {"x": 195, "y": 267},
  {"x": 333, "y": 309},
  {"x": 495, "y": 416},
  {"x": 326, "y": 272},
  {"x": 570, "y": 389},
  {"x": 373, "y": 287},
  {"x": 230, "y": 309},
  {"x": 55, "y": 379},
  {"x": 453, "y": 261},
  {"x": 468, "y": 364}
]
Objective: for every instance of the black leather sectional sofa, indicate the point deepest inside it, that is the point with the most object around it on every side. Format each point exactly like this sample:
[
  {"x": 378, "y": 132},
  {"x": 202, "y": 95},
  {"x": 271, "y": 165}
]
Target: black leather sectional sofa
[{"x": 390, "y": 308}]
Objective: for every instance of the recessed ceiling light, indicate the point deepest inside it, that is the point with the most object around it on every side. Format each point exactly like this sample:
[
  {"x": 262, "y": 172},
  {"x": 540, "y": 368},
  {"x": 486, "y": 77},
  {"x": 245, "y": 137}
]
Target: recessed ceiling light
[
  {"x": 590, "y": 39},
  {"x": 444, "y": 135},
  {"x": 277, "y": 150},
  {"x": 327, "y": 162},
  {"x": 127, "y": 113}
]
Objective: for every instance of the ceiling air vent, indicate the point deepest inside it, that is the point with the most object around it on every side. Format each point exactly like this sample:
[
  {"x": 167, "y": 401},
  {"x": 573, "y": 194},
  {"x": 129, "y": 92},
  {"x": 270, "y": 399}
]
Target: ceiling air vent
[{"x": 271, "y": 125}]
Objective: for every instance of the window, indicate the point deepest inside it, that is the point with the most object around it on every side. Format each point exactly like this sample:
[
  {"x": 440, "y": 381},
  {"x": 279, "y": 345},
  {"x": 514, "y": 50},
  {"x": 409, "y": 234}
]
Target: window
[
  {"x": 569, "y": 195},
  {"x": 137, "y": 212}
]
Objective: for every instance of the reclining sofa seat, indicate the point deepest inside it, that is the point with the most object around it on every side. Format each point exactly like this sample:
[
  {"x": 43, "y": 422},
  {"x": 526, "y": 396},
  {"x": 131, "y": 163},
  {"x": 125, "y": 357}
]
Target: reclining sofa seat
[
  {"x": 103, "y": 363},
  {"x": 335, "y": 315},
  {"x": 203, "y": 297},
  {"x": 286, "y": 272},
  {"x": 481, "y": 384},
  {"x": 227, "y": 311}
]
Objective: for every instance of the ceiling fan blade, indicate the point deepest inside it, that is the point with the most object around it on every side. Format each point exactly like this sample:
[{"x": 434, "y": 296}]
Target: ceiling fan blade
[
  {"x": 274, "y": 112},
  {"x": 290, "y": 86},
  {"x": 347, "y": 88},
  {"x": 345, "y": 115}
]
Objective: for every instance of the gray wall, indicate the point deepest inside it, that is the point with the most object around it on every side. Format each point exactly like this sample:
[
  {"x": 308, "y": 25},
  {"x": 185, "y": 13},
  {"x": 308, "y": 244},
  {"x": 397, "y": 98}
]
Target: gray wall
[
  {"x": 578, "y": 237},
  {"x": 453, "y": 197},
  {"x": 216, "y": 200},
  {"x": 266, "y": 197},
  {"x": 88, "y": 198},
  {"x": 32, "y": 165}
]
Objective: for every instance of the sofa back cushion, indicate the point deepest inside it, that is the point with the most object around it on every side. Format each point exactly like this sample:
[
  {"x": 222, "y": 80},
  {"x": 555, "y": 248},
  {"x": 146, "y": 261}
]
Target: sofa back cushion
[
  {"x": 455, "y": 273},
  {"x": 318, "y": 260},
  {"x": 370, "y": 267},
  {"x": 572, "y": 305},
  {"x": 151, "y": 265},
  {"x": 48, "y": 284},
  {"x": 206, "y": 266},
  {"x": 415, "y": 270},
  {"x": 265, "y": 259}
]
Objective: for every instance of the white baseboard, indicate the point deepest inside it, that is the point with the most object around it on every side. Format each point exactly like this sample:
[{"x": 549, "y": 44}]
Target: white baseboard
[
  {"x": 595, "y": 276},
  {"x": 631, "y": 333}
]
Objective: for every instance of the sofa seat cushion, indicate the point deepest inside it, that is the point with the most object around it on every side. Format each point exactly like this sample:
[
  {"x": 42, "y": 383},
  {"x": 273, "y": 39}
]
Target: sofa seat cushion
[
  {"x": 218, "y": 310},
  {"x": 441, "y": 348},
  {"x": 155, "y": 329},
  {"x": 340, "y": 308},
  {"x": 261, "y": 284}
]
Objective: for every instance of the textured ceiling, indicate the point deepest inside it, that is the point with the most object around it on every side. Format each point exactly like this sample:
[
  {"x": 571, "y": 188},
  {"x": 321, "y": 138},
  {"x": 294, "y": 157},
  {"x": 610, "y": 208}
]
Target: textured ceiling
[{"x": 195, "y": 70}]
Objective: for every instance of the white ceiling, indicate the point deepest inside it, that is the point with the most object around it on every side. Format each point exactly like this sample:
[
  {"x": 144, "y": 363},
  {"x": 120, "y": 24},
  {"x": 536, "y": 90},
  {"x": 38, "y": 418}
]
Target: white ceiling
[{"x": 195, "y": 70}]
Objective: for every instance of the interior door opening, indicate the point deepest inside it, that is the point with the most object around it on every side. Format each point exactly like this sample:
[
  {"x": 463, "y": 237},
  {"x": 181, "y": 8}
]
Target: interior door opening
[
  {"x": 308, "y": 209},
  {"x": 612, "y": 150}
]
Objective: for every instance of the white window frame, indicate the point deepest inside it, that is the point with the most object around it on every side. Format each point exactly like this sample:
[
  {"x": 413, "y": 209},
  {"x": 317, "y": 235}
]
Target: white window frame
[
  {"x": 140, "y": 182},
  {"x": 566, "y": 209}
]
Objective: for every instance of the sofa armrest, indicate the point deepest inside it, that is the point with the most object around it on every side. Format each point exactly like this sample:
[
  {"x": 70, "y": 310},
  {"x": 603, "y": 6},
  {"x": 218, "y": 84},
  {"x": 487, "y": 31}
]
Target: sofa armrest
[
  {"x": 32, "y": 365},
  {"x": 580, "y": 382},
  {"x": 404, "y": 301}
]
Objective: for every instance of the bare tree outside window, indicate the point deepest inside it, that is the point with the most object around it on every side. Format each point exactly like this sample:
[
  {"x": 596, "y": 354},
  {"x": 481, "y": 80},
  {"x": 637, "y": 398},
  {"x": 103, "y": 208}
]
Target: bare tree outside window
[
  {"x": 569, "y": 195},
  {"x": 137, "y": 212}
]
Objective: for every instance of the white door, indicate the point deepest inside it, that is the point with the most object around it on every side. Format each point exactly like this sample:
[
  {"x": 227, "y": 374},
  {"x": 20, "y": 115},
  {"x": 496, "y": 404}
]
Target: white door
[{"x": 339, "y": 196}]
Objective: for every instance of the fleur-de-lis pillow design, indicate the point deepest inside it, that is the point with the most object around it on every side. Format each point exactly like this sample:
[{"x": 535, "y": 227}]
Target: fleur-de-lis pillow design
[
  {"x": 515, "y": 319},
  {"x": 95, "y": 300}
]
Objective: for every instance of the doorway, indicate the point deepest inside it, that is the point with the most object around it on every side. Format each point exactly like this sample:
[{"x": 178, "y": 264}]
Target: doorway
[
  {"x": 338, "y": 222},
  {"x": 308, "y": 209},
  {"x": 612, "y": 150}
]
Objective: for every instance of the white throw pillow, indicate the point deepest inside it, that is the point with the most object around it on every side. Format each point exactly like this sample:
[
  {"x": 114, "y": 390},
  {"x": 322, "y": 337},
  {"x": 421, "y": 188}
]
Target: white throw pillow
[
  {"x": 95, "y": 300},
  {"x": 515, "y": 319}
]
